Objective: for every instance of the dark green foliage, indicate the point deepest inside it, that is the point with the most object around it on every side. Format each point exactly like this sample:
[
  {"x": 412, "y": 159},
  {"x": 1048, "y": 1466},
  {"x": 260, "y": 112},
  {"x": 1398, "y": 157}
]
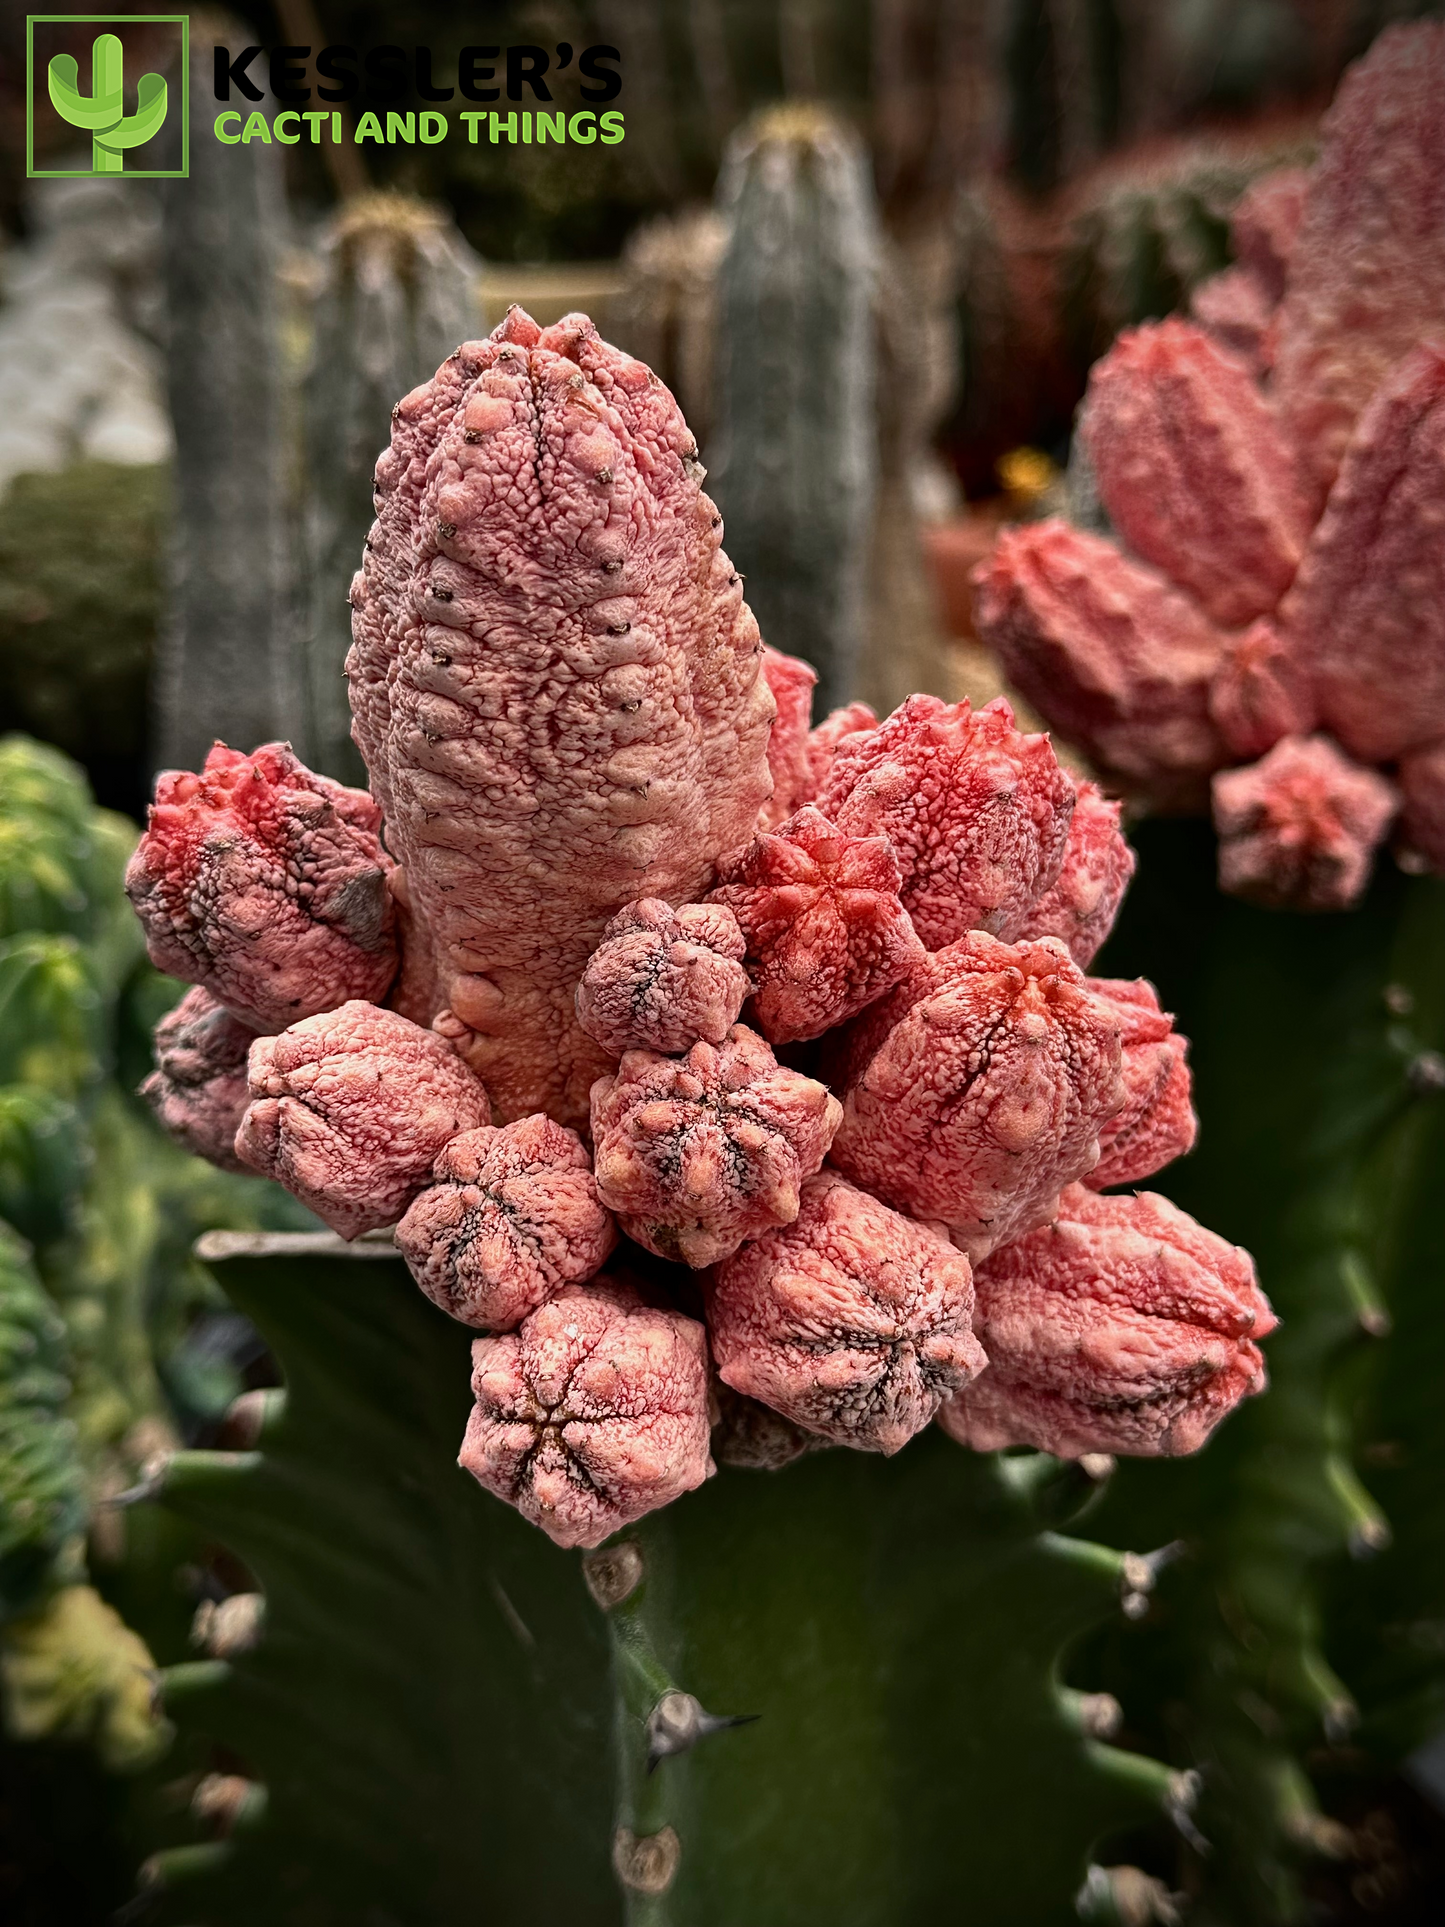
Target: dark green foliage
[
  {"x": 42, "y": 1490},
  {"x": 81, "y": 563},
  {"x": 428, "y": 1707},
  {"x": 1304, "y": 1087}
]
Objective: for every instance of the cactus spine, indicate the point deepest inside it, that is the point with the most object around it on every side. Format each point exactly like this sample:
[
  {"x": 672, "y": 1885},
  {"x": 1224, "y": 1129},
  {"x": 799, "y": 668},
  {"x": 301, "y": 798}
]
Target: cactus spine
[
  {"x": 398, "y": 289},
  {"x": 794, "y": 444}
]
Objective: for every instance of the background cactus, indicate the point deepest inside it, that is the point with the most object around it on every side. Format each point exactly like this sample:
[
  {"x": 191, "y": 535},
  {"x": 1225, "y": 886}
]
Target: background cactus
[{"x": 794, "y": 446}]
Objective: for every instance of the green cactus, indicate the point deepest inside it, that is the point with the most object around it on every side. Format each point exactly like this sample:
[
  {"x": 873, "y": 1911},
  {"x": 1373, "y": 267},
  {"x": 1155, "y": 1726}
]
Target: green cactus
[
  {"x": 794, "y": 446},
  {"x": 430, "y": 1693},
  {"x": 42, "y": 1488},
  {"x": 101, "y": 110}
]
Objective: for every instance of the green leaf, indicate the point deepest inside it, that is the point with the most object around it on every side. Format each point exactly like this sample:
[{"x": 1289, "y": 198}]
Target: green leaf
[{"x": 42, "y": 1488}]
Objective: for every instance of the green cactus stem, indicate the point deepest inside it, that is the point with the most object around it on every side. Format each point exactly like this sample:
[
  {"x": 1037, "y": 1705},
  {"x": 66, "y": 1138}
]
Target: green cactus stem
[{"x": 100, "y": 111}]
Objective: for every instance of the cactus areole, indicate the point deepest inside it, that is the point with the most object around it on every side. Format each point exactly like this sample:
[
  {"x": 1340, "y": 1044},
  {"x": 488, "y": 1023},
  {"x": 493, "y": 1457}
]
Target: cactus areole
[{"x": 523, "y": 1001}]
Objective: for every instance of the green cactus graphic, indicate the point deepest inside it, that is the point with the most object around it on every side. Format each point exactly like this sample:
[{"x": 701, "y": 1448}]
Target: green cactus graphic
[{"x": 101, "y": 110}]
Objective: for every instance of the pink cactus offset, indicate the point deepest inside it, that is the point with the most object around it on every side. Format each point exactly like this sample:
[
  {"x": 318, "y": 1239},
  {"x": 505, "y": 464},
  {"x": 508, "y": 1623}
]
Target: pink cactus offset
[
  {"x": 1298, "y": 829},
  {"x": 350, "y": 1110},
  {"x": 1124, "y": 1326},
  {"x": 1287, "y": 503},
  {"x": 266, "y": 885},
  {"x": 977, "y": 812},
  {"x": 664, "y": 979},
  {"x": 975, "y": 1091},
  {"x": 1157, "y": 1122},
  {"x": 820, "y": 915},
  {"x": 1080, "y": 906},
  {"x": 512, "y": 1215},
  {"x": 198, "y": 1089},
  {"x": 1422, "y": 818},
  {"x": 853, "y": 1321},
  {"x": 698, "y": 1153},
  {"x": 592, "y": 1414},
  {"x": 555, "y": 685}
]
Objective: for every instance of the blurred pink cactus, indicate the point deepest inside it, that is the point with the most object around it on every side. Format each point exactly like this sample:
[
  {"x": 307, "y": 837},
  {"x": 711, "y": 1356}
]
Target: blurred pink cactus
[{"x": 1273, "y": 472}]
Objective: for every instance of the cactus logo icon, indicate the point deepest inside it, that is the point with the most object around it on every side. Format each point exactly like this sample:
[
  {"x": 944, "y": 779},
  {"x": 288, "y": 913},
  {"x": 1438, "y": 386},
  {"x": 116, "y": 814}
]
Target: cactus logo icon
[{"x": 123, "y": 116}]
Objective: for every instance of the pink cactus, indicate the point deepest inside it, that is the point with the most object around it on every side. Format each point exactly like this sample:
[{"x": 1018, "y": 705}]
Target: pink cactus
[
  {"x": 697, "y": 1153},
  {"x": 852, "y": 1321},
  {"x": 1298, "y": 829},
  {"x": 1422, "y": 819},
  {"x": 511, "y": 1216},
  {"x": 1194, "y": 470},
  {"x": 792, "y": 682},
  {"x": 664, "y": 979},
  {"x": 1111, "y": 652},
  {"x": 977, "y": 812},
  {"x": 198, "y": 1089},
  {"x": 1124, "y": 1326},
  {"x": 978, "y": 1089},
  {"x": 555, "y": 685},
  {"x": 592, "y": 1414},
  {"x": 824, "y": 929},
  {"x": 1157, "y": 1123},
  {"x": 1298, "y": 495},
  {"x": 266, "y": 885},
  {"x": 350, "y": 1110},
  {"x": 1079, "y": 908}
]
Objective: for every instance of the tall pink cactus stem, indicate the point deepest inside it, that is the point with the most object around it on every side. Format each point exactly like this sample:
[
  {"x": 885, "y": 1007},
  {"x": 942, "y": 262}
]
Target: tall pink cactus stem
[{"x": 555, "y": 684}]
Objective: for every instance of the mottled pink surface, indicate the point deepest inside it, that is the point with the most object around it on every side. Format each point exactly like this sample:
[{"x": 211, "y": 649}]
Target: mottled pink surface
[
  {"x": 820, "y": 915},
  {"x": 1265, "y": 225},
  {"x": 1260, "y": 692},
  {"x": 1367, "y": 268},
  {"x": 1116, "y": 657},
  {"x": 1367, "y": 613},
  {"x": 697, "y": 1153},
  {"x": 350, "y": 1109},
  {"x": 1124, "y": 1326},
  {"x": 792, "y": 682},
  {"x": 510, "y": 1217},
  {"x": 852, "y": 1321},
  {"x": 978, "y": 1088},
  {"x": 1298, "y": 829},
  {"x": 664, "y": 979},
  {"x": 1194, "y": 470},
  {"x": 852, "y": 720},
  {"x": 1235, "y": 308},
  {"x": 591, "y": 1415},
  {"x": 1422, "y": 818},
  {"x": 198, "y": 1089},
  {"x": 265, "y": 884},
  {"x": 977, "y": 811},
  {"x": 1157, "y": 1123},
  {"x": 555, "y": 683},
  {"x": 1080, "y": 906}
]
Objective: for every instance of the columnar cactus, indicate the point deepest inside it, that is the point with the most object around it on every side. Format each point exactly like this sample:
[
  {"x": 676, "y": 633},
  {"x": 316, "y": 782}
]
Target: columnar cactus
[
  {"x": 793, "y": 446},
  {"x": 1271, "y": 596}
]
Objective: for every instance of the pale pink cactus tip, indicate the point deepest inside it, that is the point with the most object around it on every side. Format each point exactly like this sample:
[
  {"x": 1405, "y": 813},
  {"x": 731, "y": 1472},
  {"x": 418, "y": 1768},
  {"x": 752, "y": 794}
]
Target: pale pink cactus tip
[
  {"x": 979, "y": 1087},
  {"x": 697, "y": 1153},
  {"x": 267, "y": 885},
  {"x": 510, "y": 1217},
  {"x": 664, "y": 979},
  {"x": 977, "y": 811},
  {"x": 1157, "y": 1122},
  {"x": 593, "y": 1413},
  {"x": 852, "y": 1322},
  {"x": 1117, "y": 658},
  {"x": 1121, "y": 1327},
  {"x": 1298, "y": 829},
  {"x": 820, "y": 915},
  {"x": 1194, "y": 470},
  {"x": 350, "y": 1109},
  {"x": 198, "y": 1089},
  {"x": 1080, "y": 906}
]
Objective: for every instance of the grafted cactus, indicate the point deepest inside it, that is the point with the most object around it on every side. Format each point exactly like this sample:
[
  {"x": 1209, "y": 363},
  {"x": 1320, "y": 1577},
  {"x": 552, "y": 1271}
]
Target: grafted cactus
[
  {"x": 571, "y": 751},
  {"x": 1272, "y": 590}
]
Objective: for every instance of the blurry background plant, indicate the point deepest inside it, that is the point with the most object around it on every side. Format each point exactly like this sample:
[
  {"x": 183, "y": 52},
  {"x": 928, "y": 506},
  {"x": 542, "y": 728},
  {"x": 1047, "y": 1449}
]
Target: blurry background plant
[{"x": 1029, "y": 176}]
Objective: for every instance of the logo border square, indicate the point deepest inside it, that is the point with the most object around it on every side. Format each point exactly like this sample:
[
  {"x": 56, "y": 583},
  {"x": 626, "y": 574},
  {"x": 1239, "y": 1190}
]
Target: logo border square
[{"x": 181, "y": 20}]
